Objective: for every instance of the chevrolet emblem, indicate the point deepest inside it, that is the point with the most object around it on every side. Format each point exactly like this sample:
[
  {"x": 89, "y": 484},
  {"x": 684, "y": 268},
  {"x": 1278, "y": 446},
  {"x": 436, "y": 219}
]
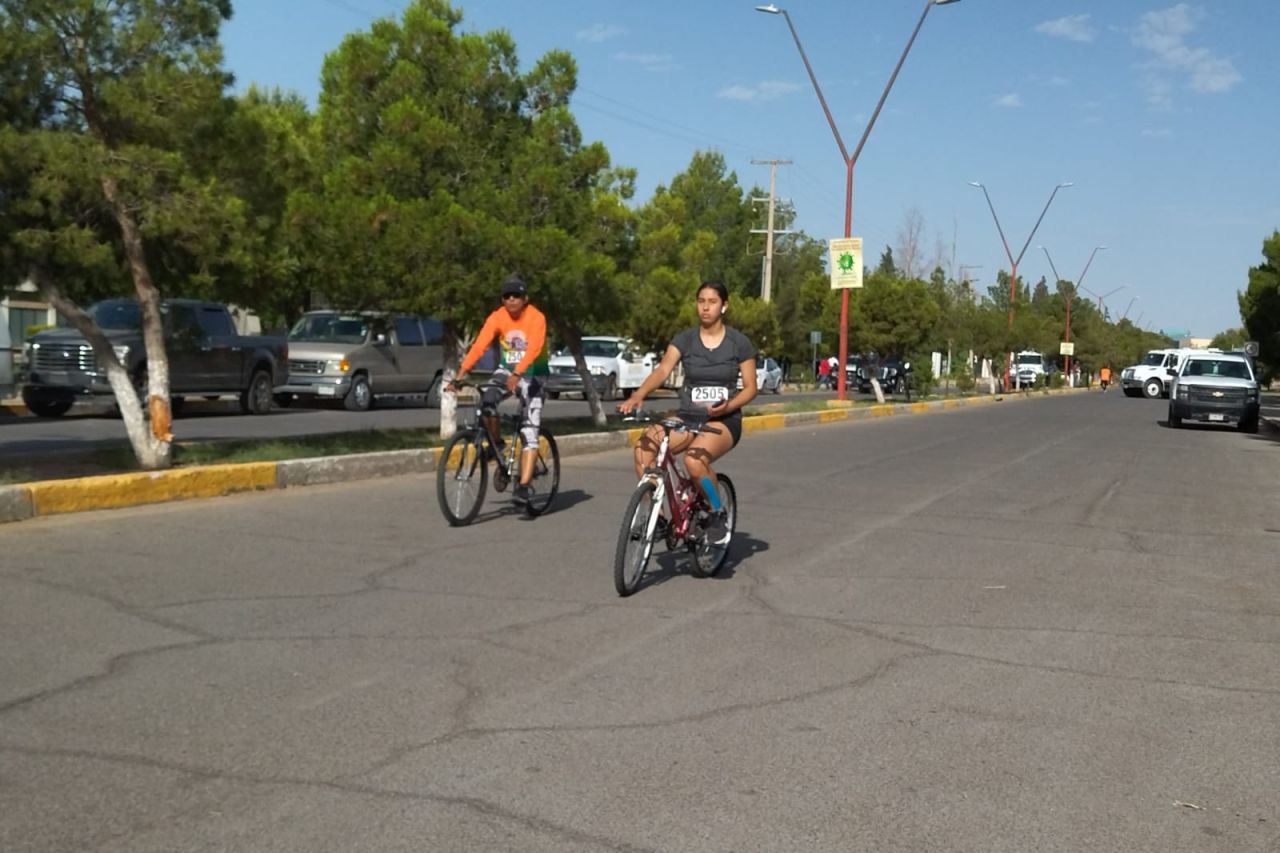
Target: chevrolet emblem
[
  {"x": 1217, "y": 393},
  {"x": 66, "y": 354}
]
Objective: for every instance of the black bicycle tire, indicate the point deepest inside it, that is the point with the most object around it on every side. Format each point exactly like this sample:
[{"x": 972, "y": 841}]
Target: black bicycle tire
[
  {"x": 543, "y": 496},
  {"x": 624, "y": 581},
  {"x": 721, "y": 553},
  {"x": 444, "y": 468}
]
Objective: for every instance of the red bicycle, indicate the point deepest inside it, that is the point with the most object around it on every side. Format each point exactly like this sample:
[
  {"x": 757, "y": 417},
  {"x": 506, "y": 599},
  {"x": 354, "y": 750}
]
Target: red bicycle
[{"x": 667, "y": 485}]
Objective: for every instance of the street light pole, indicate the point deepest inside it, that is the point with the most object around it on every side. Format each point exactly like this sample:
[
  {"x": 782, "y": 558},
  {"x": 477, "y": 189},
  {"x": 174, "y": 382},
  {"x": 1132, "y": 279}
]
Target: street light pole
[
  {"x": 1127, "y": 307},
  {"x": 849, "y": 160},
  {"x": 1013, "y": 262},
  {"x": 1066, "y": 359}
]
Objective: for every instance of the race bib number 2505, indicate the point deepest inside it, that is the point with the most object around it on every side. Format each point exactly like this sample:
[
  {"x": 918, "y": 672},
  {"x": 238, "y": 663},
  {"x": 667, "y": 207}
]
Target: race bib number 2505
[{"x": 708, "y": 395}]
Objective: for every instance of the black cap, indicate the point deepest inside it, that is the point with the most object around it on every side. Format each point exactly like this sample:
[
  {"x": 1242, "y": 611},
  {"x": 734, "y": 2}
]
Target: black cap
[{"x": 514, "y": 285}]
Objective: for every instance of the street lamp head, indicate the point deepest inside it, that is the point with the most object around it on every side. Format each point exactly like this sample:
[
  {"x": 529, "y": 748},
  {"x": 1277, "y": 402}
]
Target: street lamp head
[
  {"x": 975, "y": 184},
  {"x": 944, "y": 2},
  {"x": 1066, "y": 184},
  {"x": 771, "y": 9}
]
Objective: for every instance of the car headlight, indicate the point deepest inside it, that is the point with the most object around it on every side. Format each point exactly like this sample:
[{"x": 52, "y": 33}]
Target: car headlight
[
  {"x": 1183, "y": 392},
  {"x": 596, "y": 370},
  {"x": 340, "y": 365},
  {"x": 122, "y": 352}
]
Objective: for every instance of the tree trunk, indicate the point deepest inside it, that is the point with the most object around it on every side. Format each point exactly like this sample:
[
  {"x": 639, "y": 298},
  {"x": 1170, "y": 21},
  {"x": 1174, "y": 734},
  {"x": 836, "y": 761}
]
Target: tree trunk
[
  {"x": 449, "y": 402},
  {"x": 573, "y": 340},
  {"x": 150, "y": 451},
  {"x": 158, "y": 451}
]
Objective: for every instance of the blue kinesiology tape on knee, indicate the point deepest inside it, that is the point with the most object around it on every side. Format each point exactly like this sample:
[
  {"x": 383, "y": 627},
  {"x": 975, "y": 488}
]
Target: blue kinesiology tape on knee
[{"x": 712, "y": 493}]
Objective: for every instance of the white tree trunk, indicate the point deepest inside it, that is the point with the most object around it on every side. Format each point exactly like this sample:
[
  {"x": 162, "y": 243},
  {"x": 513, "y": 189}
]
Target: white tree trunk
[{"x": 152, "y": 452}]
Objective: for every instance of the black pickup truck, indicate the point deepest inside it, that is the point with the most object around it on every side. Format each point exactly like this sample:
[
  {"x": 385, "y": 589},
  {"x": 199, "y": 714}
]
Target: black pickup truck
[{"x": 207, "y": 358}]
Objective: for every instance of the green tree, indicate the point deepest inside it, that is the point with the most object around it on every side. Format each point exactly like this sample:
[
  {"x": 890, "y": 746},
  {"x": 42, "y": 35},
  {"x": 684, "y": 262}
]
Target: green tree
[
  {"x": 1229, "y": 339},
  {"x": 1260, "y": 304},
  {"x": 444, "y": 169},
  {"x": 107, "y": 105}
]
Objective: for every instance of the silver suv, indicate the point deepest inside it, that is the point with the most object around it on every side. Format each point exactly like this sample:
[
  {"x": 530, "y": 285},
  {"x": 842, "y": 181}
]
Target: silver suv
[
  {"x": 353, "y": 357},
  {"x": 1215, "y": 388}
]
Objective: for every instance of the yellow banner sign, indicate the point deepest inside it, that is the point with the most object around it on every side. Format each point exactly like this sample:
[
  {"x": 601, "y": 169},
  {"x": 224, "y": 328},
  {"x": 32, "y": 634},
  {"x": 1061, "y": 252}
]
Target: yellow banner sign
[{"x": 846, "y": 262}]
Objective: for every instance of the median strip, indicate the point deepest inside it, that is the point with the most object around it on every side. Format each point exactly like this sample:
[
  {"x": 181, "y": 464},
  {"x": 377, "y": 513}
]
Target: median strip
[{"x": 115, "y": 491}]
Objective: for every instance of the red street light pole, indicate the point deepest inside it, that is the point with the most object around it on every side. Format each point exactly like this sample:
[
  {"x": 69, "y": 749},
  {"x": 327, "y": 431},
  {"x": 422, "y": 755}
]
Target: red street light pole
[
  {"x": 1013, "y": 262},
  {"x": 1066, "y": 359},
  {"x": 850, "y": 160}
]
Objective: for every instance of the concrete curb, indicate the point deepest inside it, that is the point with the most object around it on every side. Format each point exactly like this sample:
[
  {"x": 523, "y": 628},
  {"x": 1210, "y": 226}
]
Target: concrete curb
[{"x": 50, "y": 497}]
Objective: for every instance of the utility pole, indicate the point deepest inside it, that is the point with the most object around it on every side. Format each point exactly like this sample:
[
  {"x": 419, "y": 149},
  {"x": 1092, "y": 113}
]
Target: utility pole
[{"x": 766, "y": 284}]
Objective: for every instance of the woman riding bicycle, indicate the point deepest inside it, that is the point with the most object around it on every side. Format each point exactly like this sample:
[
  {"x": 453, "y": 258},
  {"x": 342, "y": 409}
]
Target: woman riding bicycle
[{"x": 713, "y": 355}]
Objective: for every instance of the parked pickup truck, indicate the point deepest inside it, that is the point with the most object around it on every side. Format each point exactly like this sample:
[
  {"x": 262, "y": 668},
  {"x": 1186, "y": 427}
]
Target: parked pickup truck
[{"x": 207, "y": 358}]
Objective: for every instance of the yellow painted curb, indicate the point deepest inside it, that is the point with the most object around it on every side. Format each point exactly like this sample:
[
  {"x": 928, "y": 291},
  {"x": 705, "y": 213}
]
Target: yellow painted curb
[
  {"x": 920, "y": 407},
  {"x": 759, "y": 422},
  {"x": 833, "y": 415},
  {"x": 951, "y": 404},
  {"x": 881, "y": 411},
  {"x": 121, "y": 490},
  {"x": 633, "y": 435}
]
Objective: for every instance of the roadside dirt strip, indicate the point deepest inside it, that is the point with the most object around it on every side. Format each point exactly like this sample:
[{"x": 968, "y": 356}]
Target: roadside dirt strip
[{"x": 28, "y": 500}]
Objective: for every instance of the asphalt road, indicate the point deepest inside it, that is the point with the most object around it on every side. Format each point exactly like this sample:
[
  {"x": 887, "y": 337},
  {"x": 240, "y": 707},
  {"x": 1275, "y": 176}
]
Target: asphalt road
[{"x": 1047, "y": 625}]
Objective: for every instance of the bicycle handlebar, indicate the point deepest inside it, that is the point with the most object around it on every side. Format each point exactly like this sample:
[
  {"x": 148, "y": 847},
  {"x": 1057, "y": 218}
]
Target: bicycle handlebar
[
  {"x": 670, "y": 423},
  {"x": 460, "y": 384}
]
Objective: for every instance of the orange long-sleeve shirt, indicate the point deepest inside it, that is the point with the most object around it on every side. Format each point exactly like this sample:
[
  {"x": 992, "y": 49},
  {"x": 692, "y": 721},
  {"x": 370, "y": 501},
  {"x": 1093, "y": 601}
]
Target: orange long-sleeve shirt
[{"x": 522, "y": 342}]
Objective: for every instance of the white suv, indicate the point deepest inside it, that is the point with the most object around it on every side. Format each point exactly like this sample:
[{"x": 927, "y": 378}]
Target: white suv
[{"x": 1216, "y": 388}]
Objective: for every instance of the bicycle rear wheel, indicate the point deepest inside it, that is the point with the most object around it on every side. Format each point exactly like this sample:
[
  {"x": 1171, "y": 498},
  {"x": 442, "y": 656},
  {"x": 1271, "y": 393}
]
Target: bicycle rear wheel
[
  {"x": 635, "y": 539},
  {"x": 461, "y": 477},
  {"x": 546, "y": 473},
  {"x": 709, "y": 559}
]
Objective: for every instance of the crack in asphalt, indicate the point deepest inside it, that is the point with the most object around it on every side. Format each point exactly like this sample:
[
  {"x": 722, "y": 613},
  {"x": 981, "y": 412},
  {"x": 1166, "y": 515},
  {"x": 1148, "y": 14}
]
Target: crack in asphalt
[{"x": 476, "y": 804}]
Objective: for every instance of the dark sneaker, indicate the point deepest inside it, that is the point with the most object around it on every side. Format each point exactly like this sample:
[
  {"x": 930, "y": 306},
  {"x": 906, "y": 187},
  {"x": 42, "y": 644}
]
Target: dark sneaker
[
  {"x": 522, "y": 494},
  {"x": 717, "y": 528}
]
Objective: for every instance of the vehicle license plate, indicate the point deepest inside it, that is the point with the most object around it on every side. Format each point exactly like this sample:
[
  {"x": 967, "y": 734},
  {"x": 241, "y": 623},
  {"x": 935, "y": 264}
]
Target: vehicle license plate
[
  {"x": 326, "y": 390},
  {"x": 1216, "y": 417}
]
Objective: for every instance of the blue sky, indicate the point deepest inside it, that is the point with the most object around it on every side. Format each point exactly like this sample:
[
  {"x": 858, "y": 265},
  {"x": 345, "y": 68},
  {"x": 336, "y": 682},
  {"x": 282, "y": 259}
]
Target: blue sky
[{"x": 1163, "y": 115}]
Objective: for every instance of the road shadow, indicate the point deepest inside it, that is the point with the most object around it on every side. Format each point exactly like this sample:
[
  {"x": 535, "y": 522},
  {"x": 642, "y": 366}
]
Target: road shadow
[
  {"x": 1266, "y": 432},
  {"x": 498, "y": 506},
  {"x": 665, "y": 565}
]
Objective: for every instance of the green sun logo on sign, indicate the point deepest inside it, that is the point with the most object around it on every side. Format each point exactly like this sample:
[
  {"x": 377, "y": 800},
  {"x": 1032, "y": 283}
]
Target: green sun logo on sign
[{"x": 845, "y": 262}]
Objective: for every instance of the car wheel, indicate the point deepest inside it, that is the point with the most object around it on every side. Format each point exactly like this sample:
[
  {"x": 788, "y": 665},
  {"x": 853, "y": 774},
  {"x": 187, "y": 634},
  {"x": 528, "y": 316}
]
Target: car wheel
[
  {"x": 777, "y": 386},
  {"x": 1249, "y": 425},
  {"x": 1174, "y": 420},
  {"x": 1153, "y": 389},
  {"x": 1131, "y": 392},
  {"x": 46, "y": 407},
  {"x": 610, "y": 388},
  {"x": 360, "y": 397},
  {"x": 256, "y": 399}
]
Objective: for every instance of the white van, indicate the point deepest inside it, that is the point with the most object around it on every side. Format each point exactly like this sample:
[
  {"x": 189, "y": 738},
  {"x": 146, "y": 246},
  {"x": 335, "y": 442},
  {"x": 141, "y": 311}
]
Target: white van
[{"x": 1150, "y": 377}]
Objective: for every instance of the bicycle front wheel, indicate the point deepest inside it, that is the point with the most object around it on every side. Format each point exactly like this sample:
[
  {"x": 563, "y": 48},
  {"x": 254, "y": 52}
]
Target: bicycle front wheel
[
  {"x": 546, "y": 474},
  {"x": 635, "y": 539},
  {"x": 708, "y": 559},
  {"x": 461, "y": 477}
]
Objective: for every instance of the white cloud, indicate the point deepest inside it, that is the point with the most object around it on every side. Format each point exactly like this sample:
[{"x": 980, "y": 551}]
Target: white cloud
[
  {"x": 765, "y": 90},
  {"x": 1163, "y": 35},
  {"x": 600, "y": 32},
  {"x": 649, "y": 61},
  {"x": 1011, "y": 100},
  {"x": 1071, "y": 28}
]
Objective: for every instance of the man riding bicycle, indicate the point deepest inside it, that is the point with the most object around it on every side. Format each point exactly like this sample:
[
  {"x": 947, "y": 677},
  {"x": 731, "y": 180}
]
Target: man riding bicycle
[{"x": 521, "y": 330}]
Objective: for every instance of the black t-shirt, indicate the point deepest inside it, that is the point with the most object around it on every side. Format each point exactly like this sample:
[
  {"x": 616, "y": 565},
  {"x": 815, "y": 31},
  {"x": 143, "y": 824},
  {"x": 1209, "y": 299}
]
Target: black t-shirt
[{"x": 710, "y": 375}]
